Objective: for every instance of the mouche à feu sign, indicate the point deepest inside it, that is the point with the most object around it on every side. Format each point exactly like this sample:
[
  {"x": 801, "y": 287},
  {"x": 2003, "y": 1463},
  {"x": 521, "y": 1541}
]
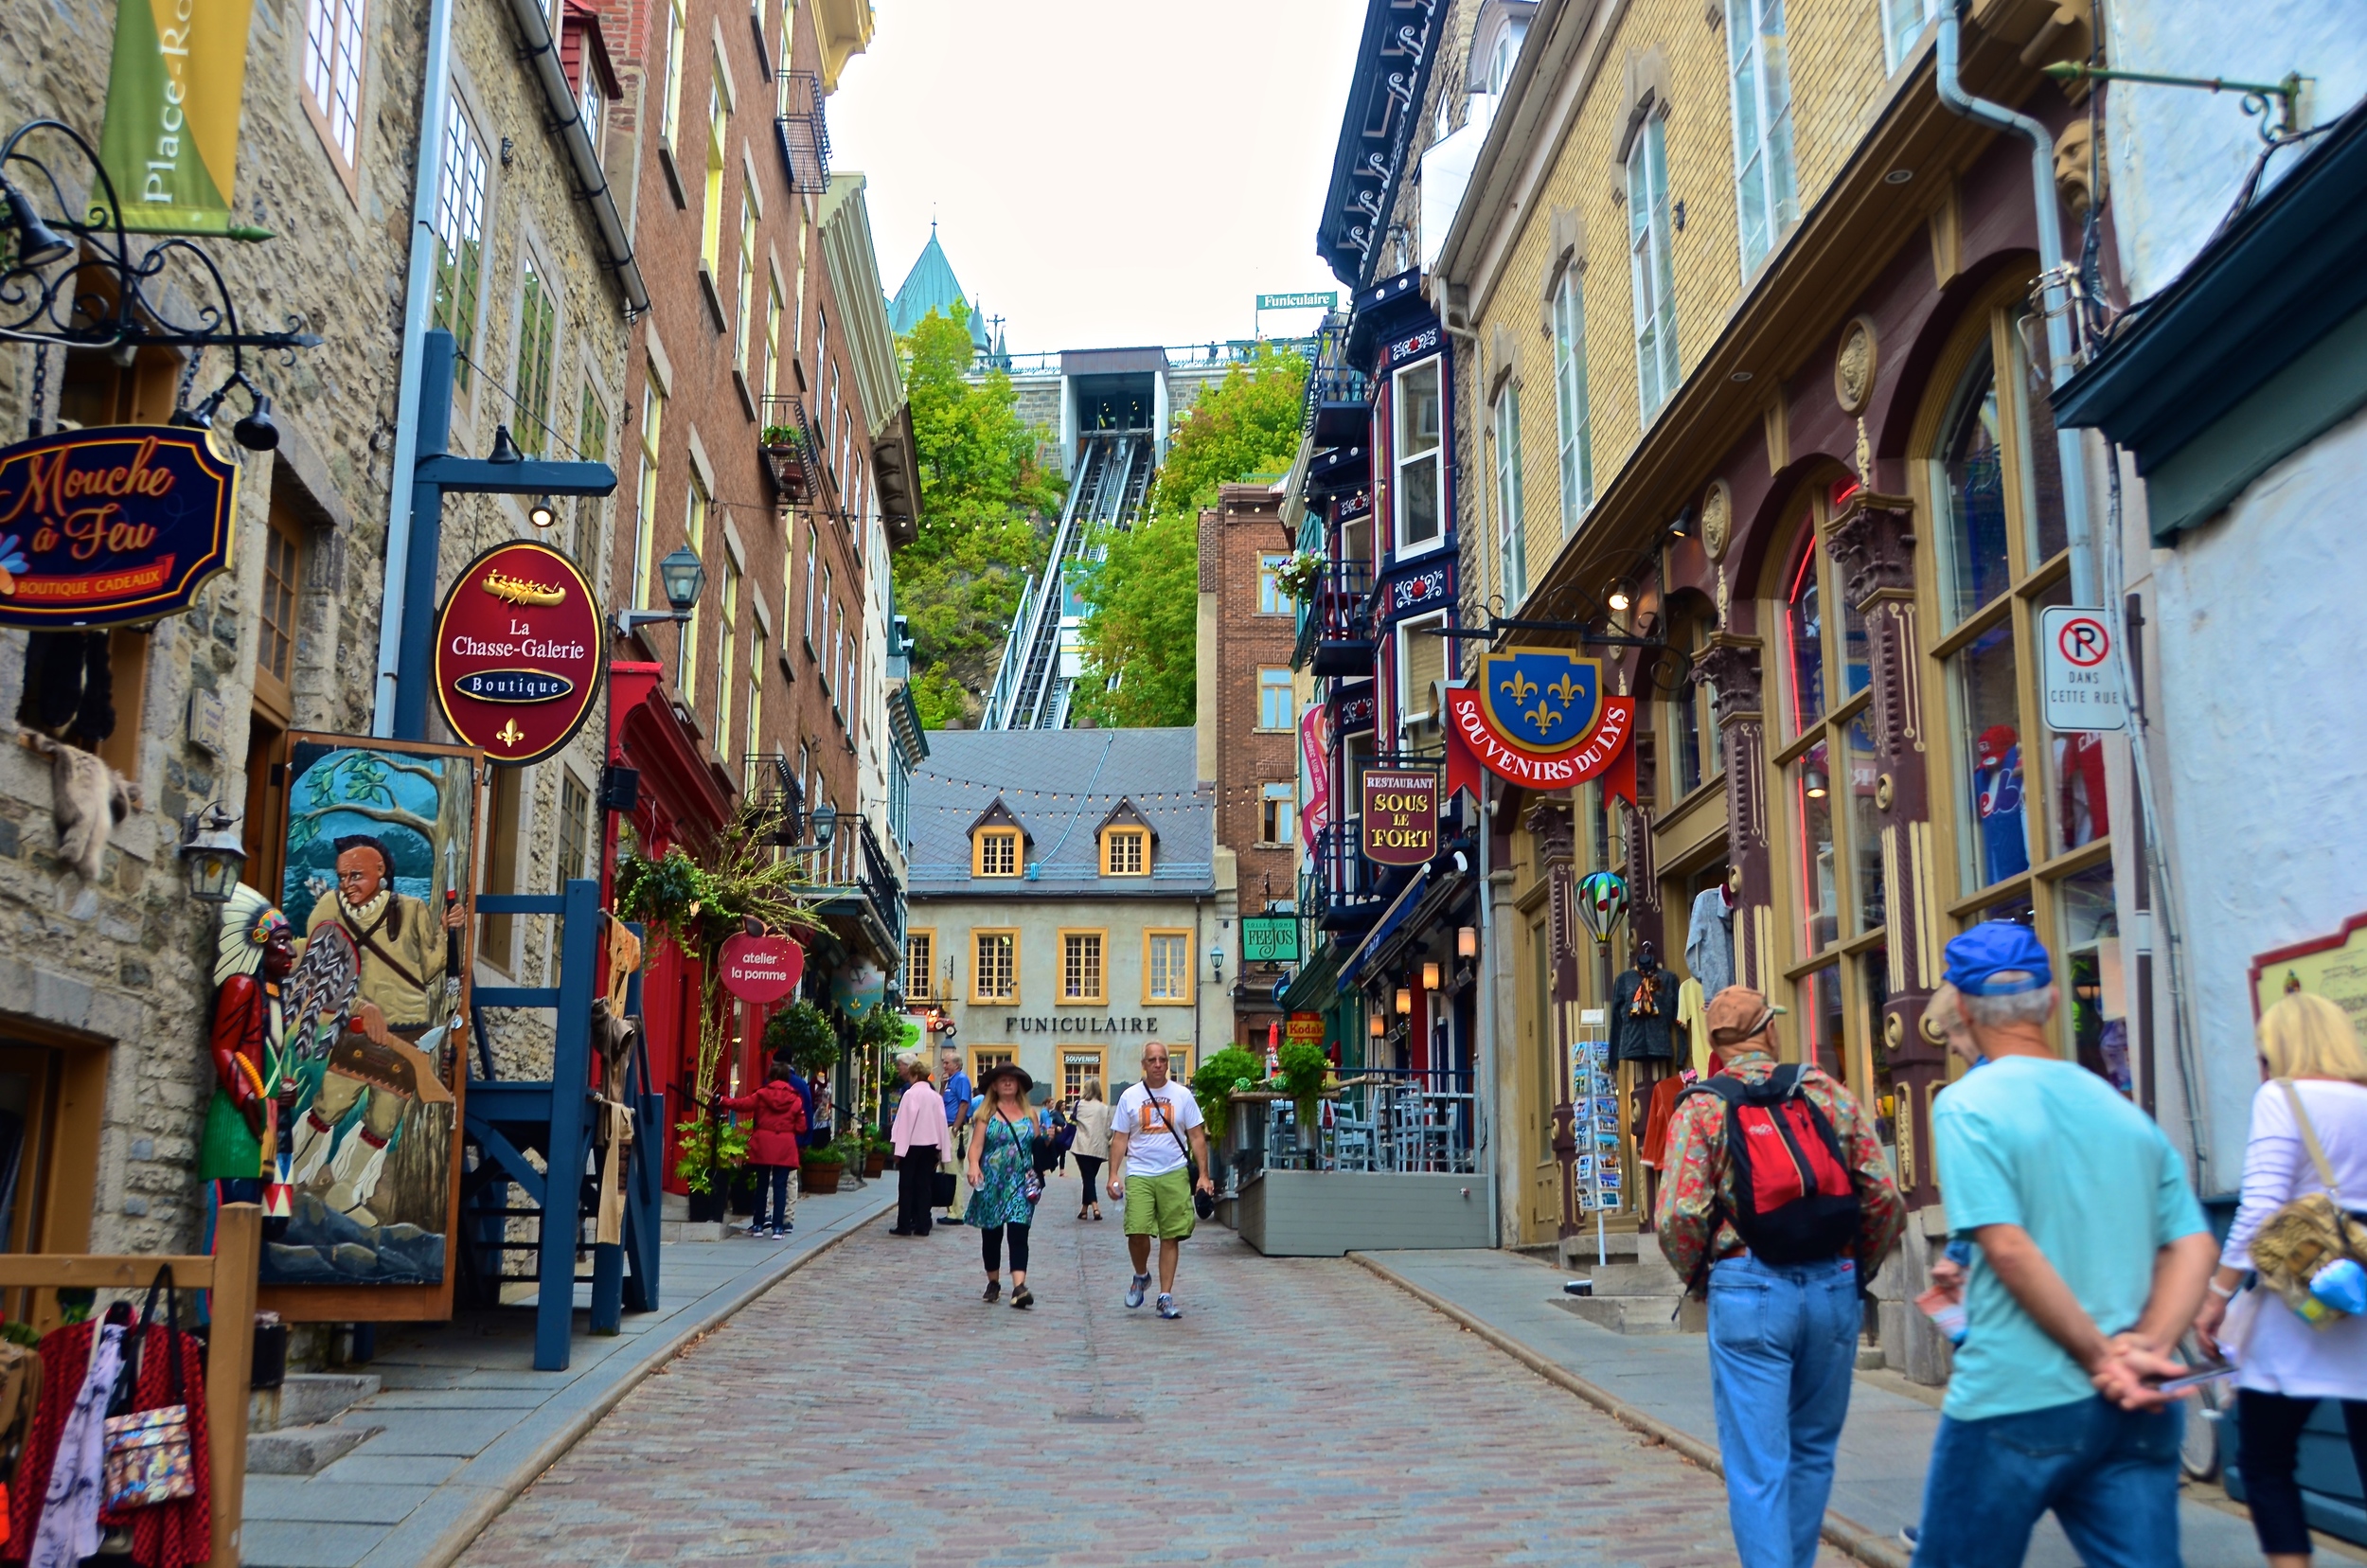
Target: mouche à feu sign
[
  {"x": 111, "y": 525},
  {"x": 518, "y": 653}
]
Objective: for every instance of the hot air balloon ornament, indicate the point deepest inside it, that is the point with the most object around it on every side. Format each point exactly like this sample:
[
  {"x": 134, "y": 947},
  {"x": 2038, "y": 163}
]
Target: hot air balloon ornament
[{"x": 1602, "y": 900}]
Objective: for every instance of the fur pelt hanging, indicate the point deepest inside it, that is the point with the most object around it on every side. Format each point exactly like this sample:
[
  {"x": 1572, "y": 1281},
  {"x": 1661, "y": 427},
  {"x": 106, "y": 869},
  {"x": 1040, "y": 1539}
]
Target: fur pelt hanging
[
  {"x": 87, "y": 799},
  {"x": 69, "y": 687}
]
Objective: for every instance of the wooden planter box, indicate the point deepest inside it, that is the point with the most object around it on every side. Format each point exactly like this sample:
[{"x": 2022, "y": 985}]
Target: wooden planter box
[
  {"x": 818, "y": 1179},
  {"x": 875, "y": 1164}
]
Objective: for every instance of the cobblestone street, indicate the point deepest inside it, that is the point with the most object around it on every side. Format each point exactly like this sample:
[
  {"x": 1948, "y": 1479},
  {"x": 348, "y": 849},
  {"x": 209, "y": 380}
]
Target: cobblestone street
[{"x": 871, "y": 1409}]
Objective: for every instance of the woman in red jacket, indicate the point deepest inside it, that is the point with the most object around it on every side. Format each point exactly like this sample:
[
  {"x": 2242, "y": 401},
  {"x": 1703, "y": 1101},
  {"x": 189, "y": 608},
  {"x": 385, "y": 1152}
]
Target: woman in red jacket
[{"x": 780, "y": 1116}]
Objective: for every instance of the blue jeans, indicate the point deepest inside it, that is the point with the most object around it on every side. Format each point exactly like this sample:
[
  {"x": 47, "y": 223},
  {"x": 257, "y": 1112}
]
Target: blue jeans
[
  {"x": 779, "y": 1181},
  {"x": 1783, "y": 1348},
  {"x": 2109, "y": 1474}
]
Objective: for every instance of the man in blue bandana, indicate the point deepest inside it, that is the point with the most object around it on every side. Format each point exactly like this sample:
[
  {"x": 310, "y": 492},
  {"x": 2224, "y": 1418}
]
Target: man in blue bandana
[{"x": 2090, "y": 1261}]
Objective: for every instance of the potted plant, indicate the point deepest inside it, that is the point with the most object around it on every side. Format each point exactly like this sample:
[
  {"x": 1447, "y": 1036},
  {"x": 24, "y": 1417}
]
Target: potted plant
[
  {"x": 874, "y": 1151},
  {"x": 1213, "y": 1085},
  {"x": 1304, "y": 1069},
  {"x": 787, "y": 460},
  {"x": 819, "y": 1171},
  {"x": 697, "y": 905},
  {"x": 1298, "y": 576}
]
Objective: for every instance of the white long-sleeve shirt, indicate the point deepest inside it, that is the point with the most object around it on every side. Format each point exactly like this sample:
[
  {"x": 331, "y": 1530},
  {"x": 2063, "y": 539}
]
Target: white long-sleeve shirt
[{"x": 2286, "y": 1355}]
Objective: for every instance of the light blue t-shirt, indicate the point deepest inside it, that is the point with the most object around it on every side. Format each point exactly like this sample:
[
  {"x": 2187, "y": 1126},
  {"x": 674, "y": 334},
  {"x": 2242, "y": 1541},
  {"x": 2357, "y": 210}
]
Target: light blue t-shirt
[{"x": 2051, "y": 1148}]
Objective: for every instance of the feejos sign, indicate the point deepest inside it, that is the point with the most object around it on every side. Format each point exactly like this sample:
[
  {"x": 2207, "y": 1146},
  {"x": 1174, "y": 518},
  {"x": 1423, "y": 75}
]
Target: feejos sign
[
  {"x": 112, "y": 526},
  {"x": 518, "y": 653}
]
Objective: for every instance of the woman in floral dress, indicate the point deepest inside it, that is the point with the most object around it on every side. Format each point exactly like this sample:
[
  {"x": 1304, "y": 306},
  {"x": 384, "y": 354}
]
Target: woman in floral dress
[{"x": 1003, "y": 1180}]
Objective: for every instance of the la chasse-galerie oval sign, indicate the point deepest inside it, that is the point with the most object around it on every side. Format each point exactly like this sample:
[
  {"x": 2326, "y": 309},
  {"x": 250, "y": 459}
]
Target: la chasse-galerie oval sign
[
  {"x": 113, "y": 526},
  {"x": 518, "y": 653}
]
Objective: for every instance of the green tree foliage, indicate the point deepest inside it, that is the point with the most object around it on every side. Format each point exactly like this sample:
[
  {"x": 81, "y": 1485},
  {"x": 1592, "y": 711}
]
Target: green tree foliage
[
  {"x": 1142, "y": 599},
  {"x": 983, "y": 500}
]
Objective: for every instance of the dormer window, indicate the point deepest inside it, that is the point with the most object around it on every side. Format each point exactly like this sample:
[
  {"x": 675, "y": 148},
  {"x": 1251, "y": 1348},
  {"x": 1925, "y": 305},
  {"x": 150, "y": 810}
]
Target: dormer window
[
  {"x": 1126, "y": 837},
  {"x": 998, "y": 845},
  {"x": 997, "y": 852}
]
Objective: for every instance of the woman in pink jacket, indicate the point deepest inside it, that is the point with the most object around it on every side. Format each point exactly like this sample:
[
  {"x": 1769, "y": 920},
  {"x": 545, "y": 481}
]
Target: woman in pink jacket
[{"x": 780, "y": 1116}]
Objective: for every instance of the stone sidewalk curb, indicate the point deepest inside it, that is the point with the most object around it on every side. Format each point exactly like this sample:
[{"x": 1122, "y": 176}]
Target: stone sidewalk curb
[
  {"x": 1875, "y": 1550},
  {"x": 461, "y": 1532}
]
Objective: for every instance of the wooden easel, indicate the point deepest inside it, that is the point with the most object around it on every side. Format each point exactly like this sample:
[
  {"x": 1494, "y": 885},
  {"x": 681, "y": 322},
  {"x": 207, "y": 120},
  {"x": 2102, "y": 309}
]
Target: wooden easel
[{"x": 229, "y": 1354}]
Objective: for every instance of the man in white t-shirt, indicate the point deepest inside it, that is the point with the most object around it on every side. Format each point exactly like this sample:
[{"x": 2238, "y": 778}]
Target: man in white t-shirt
[{"x": 1147, "y": 1169}]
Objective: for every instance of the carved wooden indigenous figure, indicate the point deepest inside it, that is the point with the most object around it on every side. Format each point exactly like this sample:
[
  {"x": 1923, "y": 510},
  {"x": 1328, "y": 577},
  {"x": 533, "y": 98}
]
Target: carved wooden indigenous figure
[{"x": 254, "y": 954}]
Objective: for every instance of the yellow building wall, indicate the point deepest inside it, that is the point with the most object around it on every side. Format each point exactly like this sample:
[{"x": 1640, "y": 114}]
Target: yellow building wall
[{"x": 1838, "y": 85}]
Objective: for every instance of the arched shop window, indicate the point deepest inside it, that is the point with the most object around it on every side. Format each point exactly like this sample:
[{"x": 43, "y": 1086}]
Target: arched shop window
[
  {"x": 1832, "y": 871},
  {"x": 2025, "y": 807}
]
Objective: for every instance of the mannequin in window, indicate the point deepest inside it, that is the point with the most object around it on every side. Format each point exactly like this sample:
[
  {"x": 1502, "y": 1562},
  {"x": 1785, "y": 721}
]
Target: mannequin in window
[{"x": 1998, "y": 795}]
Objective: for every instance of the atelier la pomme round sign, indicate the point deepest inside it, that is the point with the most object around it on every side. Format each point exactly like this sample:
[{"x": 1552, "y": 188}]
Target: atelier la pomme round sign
[
  {"x": 518, "y": 661},
  {"x": 761, "y": 968}
]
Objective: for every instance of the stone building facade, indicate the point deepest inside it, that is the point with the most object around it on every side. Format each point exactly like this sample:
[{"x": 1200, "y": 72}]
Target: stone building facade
[{"x": 111, "y": 980}]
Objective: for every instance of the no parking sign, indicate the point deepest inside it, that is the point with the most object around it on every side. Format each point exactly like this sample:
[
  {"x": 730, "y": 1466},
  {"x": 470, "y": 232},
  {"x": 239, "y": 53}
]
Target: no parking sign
[{"x": 2079, "y": 670}]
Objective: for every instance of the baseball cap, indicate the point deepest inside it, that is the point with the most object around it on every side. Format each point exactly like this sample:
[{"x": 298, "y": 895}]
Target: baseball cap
[
  {"x": 1989, "y": 751},
  {"x": 1739, "y": 1013},
  {"x": 1998, "y": 958}
]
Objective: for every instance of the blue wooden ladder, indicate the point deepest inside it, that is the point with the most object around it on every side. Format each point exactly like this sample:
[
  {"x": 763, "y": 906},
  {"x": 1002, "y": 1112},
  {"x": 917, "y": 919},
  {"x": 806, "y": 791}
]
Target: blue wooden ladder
[{"x": 556, "y": 1119}]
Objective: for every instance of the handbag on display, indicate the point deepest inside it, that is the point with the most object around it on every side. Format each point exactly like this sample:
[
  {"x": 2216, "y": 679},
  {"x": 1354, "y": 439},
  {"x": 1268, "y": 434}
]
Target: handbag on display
[
  {"x": 150, "y": 1458},
  {"x": 2307, "y": 1235}
]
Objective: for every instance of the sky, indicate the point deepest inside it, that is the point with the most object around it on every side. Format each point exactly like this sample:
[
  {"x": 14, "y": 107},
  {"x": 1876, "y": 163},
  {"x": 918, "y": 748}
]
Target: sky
[{"x": 1103, "y": 173}]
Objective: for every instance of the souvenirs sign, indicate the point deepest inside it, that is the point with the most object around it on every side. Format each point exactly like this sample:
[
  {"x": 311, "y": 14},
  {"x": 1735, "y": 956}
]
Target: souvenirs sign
[
  {"x": 1536, "y": 717},
  {"x": 112, "y": 526},
  {"x": 761, "y": 969},
  {"x": 518, "y": 653},
  {"x": 1401, "y": 815}
]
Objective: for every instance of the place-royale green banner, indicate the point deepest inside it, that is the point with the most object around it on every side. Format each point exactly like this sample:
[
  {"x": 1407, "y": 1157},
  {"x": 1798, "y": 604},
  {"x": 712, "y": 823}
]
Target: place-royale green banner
[{"x": 172, "y": 138}]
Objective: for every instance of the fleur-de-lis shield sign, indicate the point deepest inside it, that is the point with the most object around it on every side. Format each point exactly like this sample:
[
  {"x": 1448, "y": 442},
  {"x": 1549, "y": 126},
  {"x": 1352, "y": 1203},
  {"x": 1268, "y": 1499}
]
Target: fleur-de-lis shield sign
[{"x": 1540, "y": 699}]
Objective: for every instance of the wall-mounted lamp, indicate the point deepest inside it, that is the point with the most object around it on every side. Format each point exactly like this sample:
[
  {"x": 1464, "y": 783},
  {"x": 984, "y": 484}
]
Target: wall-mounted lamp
[
  {"x": 1376, "y": 1025},
  {"x": 1405, "y": 1001},
  {"x": 211, "y": 850},
  {"x": 541, "y": 514},
  {"x": 684, "y": 578},
  {"x": 1618, "y": 598},
  {"x": 1467, "y": 941},
  {"x": 1430, "y": 975},
  {"x": 1813, "y": 783},
  {"x": 1215, "y": 964}
]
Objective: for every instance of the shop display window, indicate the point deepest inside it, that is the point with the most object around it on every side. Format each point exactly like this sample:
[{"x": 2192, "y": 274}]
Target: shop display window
[
  {"x": 1975, "y": 566},
  {"x": 2042, "y": 478},
  {"x": 1803, "y": 637},
  {"x": 1986, "y": 700},
  {"x": 1861, "y": 777},
  {"x": 1820, "y": 896},
  {"x": 2094, "y": 995},
  {"x": 1822, "y": 1035}
]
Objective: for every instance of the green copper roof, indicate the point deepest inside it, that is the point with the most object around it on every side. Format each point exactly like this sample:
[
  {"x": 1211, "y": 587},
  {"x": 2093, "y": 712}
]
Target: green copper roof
[{"x": 931, "y": 286}]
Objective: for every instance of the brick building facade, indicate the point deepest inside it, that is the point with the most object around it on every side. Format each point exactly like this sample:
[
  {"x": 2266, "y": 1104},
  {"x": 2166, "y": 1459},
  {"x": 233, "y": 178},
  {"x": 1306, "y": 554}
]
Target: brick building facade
[{"x": 1248, "y": 717}]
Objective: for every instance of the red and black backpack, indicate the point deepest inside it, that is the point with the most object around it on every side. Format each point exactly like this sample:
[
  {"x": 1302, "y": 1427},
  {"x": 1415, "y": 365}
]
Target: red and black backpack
[{"x": 1795, "y": 1201}]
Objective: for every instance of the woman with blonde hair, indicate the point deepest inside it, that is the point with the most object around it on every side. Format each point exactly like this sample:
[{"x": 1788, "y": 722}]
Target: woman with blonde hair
[
  {"x": 2313, "y": 1067},
  {"x": 1091, "y": 1147}
]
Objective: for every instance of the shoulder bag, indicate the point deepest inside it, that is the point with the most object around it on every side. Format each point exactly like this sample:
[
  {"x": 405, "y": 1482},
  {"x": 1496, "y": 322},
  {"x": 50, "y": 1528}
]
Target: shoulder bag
[
  {"x": 1031, "y": 1175},
  {"x": 2307, "y": 1232},
  {"x": 1202, "y": 1204},
  {"x": 148, "y": 1456}
]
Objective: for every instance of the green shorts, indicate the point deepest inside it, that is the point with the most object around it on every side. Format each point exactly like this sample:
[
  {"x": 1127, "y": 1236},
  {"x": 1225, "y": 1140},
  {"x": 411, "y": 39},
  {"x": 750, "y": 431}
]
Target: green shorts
[{"x": 1160, "y": 1206}]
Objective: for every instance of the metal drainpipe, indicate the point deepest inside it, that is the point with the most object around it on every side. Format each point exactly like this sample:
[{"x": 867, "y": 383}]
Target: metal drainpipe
[
  {"x": 2071, "y": 452},
  {"x": 1487, "y": 1052},
  {"x": 419, "y": 296}
]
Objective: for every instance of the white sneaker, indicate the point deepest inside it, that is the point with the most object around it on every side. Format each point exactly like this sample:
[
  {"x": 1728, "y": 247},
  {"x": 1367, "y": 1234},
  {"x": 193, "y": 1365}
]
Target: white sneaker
[
  {"x": 1167, "y": 1308},
  {"x": 1135, "y": 1292}
]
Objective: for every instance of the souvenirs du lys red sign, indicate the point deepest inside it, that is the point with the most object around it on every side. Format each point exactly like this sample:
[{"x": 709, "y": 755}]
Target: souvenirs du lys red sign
[
  {"x": 761, "y": 968},
  {"x": 111, "y": 525},
  {"x": 518, "y": 653},
  {"x": 1539, "y": 717},
  {"x": 1401, "y": 815}
]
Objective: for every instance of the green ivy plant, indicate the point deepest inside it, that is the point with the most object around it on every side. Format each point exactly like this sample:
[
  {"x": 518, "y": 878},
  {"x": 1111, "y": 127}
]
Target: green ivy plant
[
  {"x": 1304, "y": 1069},
  {"x": 1213, "y": 1084},
  {"x": 804, "y": 1033}
]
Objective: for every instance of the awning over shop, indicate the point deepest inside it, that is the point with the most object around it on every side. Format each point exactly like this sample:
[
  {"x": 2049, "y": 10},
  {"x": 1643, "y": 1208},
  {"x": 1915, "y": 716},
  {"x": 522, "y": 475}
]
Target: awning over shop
[
  {"x": 1392, "y": 917},
  {"x": 1316, "y": 986}
]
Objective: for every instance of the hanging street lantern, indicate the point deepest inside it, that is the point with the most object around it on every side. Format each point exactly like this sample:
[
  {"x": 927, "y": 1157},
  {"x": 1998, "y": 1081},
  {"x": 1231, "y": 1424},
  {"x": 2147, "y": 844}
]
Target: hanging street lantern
[{"x": 211, "y": 850}]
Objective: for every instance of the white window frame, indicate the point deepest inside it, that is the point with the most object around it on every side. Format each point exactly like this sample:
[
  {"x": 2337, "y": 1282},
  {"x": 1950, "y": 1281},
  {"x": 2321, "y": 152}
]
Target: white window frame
[
  {"x": 1576, "y": 446},
  {"x": 1282, "y": 794},
  {"x": 1512, "y": 551},
  {"x": 1272, "y": 601},
  {"x": 1651, "y": 272},
  {"x": 1407, "y": 630},
  {"x": 1287, "y": 688},
  {"x": 1400, "y": 462},
  {"x": 1903, "y": 21},
  {"x": 1759, "y": 73},
  {"x": 335, "y": 50}
]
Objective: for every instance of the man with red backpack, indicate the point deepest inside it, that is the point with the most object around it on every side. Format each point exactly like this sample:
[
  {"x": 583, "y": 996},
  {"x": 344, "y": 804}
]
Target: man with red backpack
[{"x": 1781, "y": 1208}]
